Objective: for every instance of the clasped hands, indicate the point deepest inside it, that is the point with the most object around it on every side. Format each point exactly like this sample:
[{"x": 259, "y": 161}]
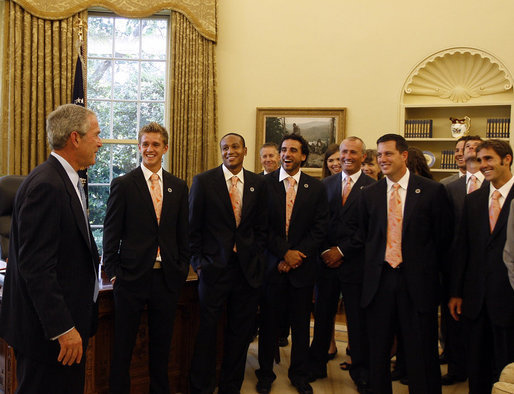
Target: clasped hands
[{"x": 292, "y": 260}]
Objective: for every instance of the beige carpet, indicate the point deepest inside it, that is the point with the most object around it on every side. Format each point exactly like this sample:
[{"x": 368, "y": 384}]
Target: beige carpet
[{"x": 337, "y": 381}]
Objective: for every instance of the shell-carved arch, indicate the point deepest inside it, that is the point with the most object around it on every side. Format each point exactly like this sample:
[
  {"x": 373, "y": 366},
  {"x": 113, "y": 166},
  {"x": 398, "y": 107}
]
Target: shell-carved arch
[{"x": 459, "y": 74}]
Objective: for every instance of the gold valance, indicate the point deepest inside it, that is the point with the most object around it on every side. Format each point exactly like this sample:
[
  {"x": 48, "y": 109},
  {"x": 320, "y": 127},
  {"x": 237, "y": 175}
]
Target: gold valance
[{"x": 201, "y": 13}]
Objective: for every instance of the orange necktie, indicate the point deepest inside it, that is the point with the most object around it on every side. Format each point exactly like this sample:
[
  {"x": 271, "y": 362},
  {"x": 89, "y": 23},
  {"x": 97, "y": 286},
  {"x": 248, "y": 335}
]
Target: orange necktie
[
  {"x": 155, "y": 191},
  {"x": 235, "y": 199},
  {"x": 347, "y": 189},
  {"x": 394, "y": 229},
  {"x": 494, "y": 209},
  {"x": 290, "y": 197},
  {"x": 473, "y": 184}
]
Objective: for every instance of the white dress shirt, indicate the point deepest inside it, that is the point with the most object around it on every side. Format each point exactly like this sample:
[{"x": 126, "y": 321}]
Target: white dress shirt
[
  {"x": 504, "y": 191},
  {"x": 284, "y": 175},
  {"x": 228, "y": 179},
  {"x": 402, "y": 190}
]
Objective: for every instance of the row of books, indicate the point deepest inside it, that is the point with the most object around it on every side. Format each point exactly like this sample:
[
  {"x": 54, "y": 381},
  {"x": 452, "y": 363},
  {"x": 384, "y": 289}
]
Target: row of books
[
  {"x": 448, "y": 160},
  {"x": 498, "y": 128},
  {"x": 418, "y": 128}
]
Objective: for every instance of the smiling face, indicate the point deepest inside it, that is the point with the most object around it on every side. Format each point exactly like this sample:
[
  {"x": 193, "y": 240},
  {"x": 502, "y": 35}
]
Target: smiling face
[
  {"x": 269, "y": 158},
  {"x": 459, "y": 155},
  {"x": 352, "y": 156},
  {"x": 495, "y": 169},
  {"x": 334, "y": 164},
  {"x": 291, "y": 156},
  {"x": 152, "y": 149},
  {"x": 371, "y": 168},
  {"x": 233, "y": 153},
  {"x": 392, "y": 162},
  {"x": 88, "y": 145}
]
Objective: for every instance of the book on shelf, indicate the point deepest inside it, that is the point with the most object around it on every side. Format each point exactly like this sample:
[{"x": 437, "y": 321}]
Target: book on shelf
[
  {"x": 418, "y": 128},
  {"x": 498, "y": 128}
]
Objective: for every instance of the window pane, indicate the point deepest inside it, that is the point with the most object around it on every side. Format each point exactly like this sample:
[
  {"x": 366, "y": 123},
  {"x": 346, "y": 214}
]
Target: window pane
[
  {"x": 99, "y": 76},
  {"x": 152, "y": 80},
  {"x": 124, "y": 159},
  {"x": 103, "y": 112},
  {"x": 154, "y": 37},
  {"x": 99, "y": 36},
  {"x": 98, "y": 236},
  {"x": 98, "y": 195},
  {"x": 124, "y": 117},
  {"x": 100, "y": 172},
  {"x": 125, "y": 80},
  {"x": 151, "y": 112},
  {"x": 126, "y": 43}
]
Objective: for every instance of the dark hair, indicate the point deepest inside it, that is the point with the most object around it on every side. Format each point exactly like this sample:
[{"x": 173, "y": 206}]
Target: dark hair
[
  {"x": 268, "y": 145},
  {"x": 401, "y": 143},
  {"x": 236, "y": 135},
  {"x": 301, "y": 140},
  {"x": 332, "y": 148},
  {"x": 417, "y": 163},
  {"x": 153, "y": 127},
  {"x": 463, "y": 138},
  {"x": 371, "y": 156},
  {"x": 501, "y": 148},
  {"x": 471, "y": 138}
]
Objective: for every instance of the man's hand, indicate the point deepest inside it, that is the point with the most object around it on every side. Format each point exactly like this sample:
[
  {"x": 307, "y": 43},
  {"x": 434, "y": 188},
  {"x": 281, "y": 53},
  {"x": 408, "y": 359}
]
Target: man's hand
[
  {"x": 332, "y": 257},
  {"x": 294, "y": 258},
  {"x": 455, "y": 306},
  {"x": 283, "y": 267},
  {"x": 71, "y": 348}
]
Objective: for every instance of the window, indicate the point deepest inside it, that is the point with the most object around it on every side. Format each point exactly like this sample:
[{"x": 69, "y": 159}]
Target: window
[{"x": 126, "y": 87}]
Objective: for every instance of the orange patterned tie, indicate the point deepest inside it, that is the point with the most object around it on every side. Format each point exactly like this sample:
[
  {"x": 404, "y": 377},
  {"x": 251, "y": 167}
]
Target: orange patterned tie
[
  {"x": 494, "y": 209},
  {"x": 347, "y": 189},
  {"x": 235, "y": 199},
  {"x": 290, "y": 197},
  {"x": 155, "y": 191},
  {"x": 473, "y": 184},
  {"x": 394, "y": 229}
]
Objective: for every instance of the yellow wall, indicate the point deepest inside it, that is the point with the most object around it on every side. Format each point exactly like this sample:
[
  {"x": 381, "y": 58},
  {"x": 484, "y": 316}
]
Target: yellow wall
[{"x": 334, "y": 53}]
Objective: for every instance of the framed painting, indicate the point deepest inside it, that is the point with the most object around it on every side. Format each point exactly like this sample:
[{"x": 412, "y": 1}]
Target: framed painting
[{"x": 319, "y": 126}]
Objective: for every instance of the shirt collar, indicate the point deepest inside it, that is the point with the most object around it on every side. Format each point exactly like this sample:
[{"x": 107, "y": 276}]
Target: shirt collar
[
  {"x": 478, "y": 175},
  {"x": 355, "y": 177},
  {"x": 504, "y": 190},
  {"x": 403, "y": 182},
  {"x": 72, "y": 174},
  {"x": 148, "y": 173},
  {"x": 228, "y": 175},
  {"x": 283, "y": 175}
]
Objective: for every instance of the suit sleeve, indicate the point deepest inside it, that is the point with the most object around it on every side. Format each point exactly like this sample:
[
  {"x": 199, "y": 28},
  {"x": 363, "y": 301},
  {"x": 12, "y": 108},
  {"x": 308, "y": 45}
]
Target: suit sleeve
[
  {"x": 183, "y": 230},
  {"x": 444, "y": 229},
  {"x": 39, "y": 226},
  {"x": 113, "y": 228},
  {"x": 196, "y": 220},
  {"x": 459, "y": 254},
  {"x": 508, "y": 252}
]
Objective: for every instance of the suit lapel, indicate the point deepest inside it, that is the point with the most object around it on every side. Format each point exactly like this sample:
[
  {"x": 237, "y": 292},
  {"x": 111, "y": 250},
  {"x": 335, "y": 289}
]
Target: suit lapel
[
  {"x": 219, "y": 186},
  {"x": 248, "y": 194},
  {"x": 504, "y": 213},
  {"x": 76, "y": 205},
  {"x": 302, "y": 193},
  {"x": 381, "y": 201},
  {"x": 414, "y": 191},
  {"x": 167, "y": 193},
  {"x": 353, "y": 193},
  {"x": 142, "y": 186}
]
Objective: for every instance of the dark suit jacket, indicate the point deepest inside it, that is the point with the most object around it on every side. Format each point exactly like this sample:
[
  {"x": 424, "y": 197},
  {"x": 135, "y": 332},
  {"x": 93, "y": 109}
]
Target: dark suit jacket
[
  {"x": 480, "y": 276},
  {"x": 52, "y": 266},
  {"x": 457, "y": 191},
  {"x": 213, "y": 230},
  {"x": 307, "y": 227},
  {"x": 343, "y": 222},
  {"x": 426, "y": 235},
  {"x": 132, "y": 234}
]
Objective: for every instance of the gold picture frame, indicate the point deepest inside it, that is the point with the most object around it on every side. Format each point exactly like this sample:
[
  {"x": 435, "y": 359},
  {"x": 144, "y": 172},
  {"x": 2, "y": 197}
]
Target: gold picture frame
[{"x": 319, "y": 126}]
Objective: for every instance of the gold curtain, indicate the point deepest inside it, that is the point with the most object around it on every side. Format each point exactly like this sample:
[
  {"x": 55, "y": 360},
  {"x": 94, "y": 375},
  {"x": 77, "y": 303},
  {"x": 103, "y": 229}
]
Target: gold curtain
[
  {"x": 38, "y": 71},
  {"x": 193, "y": 146}
]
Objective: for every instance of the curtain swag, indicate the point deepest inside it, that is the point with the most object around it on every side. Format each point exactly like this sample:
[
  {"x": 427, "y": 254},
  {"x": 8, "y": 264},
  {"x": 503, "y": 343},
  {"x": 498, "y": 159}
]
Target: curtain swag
[{"x": 201, "y": 13}]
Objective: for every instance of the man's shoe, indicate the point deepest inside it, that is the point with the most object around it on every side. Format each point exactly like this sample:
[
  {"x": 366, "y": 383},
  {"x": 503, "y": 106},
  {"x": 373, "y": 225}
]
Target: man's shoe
[
  {"x": 404, "y": 380},
  {"x": 397, "y": 374},
  {"x": 283, "y": 342},
  {"x": 448, "y": 380},
  {"x": 263, "y": 387},
  {"x": 303, "y": 388}
]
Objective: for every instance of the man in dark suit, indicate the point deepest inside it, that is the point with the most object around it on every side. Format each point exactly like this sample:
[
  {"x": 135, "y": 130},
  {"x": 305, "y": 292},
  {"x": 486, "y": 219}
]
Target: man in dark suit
[
  {"x": 298, "y": 219},
  {"x": 340, "y": 269},
  {"x": 227, "y": 216},
  {"x": 405, "y": 227},
  {"x": 49, "y": 298},
  {"x": 455, "y": 347},
  {"x": 146, "y": 256},
  {"x": 459, "y": 160},
  {"x": 481, "y": 291}
]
